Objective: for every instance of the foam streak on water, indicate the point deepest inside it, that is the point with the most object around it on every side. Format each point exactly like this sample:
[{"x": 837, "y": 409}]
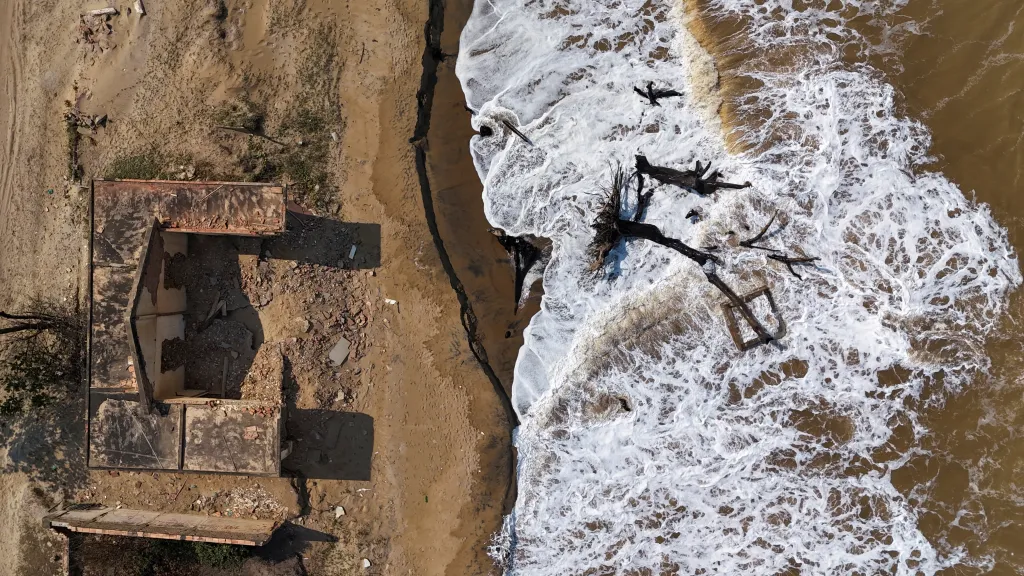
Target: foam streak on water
[{"x": 649, "y": 444}]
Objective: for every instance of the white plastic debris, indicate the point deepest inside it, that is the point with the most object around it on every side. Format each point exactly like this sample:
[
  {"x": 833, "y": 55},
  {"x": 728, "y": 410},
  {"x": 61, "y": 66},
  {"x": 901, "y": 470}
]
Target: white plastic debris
[
  {"x": 352, "y": 252},
  {"x": 140, "y": 8},
  {"x": 339, "y": 511},
  {"x": 366, "y": 563},
  {"x": 390, "y": 301}
]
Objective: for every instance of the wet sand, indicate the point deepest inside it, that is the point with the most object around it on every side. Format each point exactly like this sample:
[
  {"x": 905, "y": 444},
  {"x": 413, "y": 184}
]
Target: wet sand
[
  {"x": 963, "y": 77},
  {"x": 480, "y": 262}
]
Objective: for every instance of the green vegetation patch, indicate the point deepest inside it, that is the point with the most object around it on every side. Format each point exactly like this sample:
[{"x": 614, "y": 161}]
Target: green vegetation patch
[
  {"x": 116, "y": 556},
  {"x": 294, "y": 146},
  {"x": 41, "y": 354},
  {"x": 149, "y": 165}
]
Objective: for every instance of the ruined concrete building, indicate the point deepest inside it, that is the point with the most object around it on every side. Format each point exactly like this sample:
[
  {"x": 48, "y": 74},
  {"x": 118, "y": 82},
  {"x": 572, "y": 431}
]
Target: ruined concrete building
[
  {"x": 109, "y": 521},
  {"x": 160, "y": 356}
]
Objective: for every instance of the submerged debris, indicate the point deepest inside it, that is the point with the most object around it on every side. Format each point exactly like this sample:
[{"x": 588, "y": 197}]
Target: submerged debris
[
  {"x": 528, "y": 262},
  {"x": 653, "y": 95}
]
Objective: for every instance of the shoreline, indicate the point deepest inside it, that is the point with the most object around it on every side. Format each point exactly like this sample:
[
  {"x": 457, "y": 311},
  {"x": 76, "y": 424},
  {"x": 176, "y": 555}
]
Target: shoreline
[{"x": 478, "y": 267}]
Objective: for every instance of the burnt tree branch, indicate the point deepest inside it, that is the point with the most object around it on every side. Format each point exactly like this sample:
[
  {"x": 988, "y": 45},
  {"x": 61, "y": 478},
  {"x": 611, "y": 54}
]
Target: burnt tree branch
[
  {"x": 611, "y": 228},
  {"x": 790, "y": 260},
  {"x": 643, "y": 200},
  {"x": 752, "y": 242}
]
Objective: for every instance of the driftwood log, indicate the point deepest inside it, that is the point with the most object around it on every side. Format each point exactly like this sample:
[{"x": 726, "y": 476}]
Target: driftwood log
[
  {"x": 690, "y": 180},
  {"x": 610, "y": 228}
]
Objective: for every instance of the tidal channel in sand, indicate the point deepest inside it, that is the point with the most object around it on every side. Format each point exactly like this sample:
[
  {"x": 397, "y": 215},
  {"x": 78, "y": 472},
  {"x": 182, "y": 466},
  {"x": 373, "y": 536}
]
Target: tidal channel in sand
[{"x": 478, "y": 266}]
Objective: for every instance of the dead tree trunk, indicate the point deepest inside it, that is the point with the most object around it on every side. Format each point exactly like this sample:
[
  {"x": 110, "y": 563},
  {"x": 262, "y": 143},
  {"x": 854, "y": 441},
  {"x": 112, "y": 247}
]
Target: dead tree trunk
[
  {"x": 707, "y": 262},
  {"x": 610, "y": 228}
]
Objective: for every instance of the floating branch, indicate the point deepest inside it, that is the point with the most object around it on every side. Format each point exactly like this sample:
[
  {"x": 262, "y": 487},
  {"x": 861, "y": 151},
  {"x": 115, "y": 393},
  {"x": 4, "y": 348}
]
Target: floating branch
[
  {"x": 752, "y": 242},
  {"x": 790, "y": 260},
  {"x": 690, "y": 180},
  {"x": 517, "y": 132},
  {"x": 653, "y": 95}
]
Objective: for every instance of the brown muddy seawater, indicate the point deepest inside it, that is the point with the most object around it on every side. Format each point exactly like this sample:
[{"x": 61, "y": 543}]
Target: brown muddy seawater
[
  {"x": 958, "y": 67},
  {"x": 963, "y": 76}
]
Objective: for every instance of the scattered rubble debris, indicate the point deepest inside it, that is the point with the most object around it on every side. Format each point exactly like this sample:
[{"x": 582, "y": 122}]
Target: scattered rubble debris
[
  {"x": 339, "y": 511},
  {"x": 95, "y": 30},
  {"x": 76, "y": 118},
  {"x": 366, "y": 563},
  {"x": 252, "y": 502},
  {"x": 140, "y": 7}
]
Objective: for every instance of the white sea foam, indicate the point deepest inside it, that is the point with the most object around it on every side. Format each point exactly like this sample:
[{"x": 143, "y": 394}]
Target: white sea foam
[{"x": 735, "y": 463}]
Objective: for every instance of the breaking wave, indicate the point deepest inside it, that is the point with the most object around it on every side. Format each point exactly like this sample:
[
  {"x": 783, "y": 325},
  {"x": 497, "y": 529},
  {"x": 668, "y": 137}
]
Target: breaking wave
[{"x": 649, "y": 444}]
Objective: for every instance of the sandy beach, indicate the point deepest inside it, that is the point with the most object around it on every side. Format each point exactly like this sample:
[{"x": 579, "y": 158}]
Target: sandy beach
[{"x": 441, "y": 463}]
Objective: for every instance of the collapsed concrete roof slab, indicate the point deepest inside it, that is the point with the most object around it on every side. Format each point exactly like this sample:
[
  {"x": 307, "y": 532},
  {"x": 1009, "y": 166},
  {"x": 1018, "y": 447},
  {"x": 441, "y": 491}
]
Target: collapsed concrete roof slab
[
  {"x": 232, "y": 437},
  {"x": 96, "y": 519},
  {"x": 122, "y": 436},
  {"x": 238, "y": 208}
]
